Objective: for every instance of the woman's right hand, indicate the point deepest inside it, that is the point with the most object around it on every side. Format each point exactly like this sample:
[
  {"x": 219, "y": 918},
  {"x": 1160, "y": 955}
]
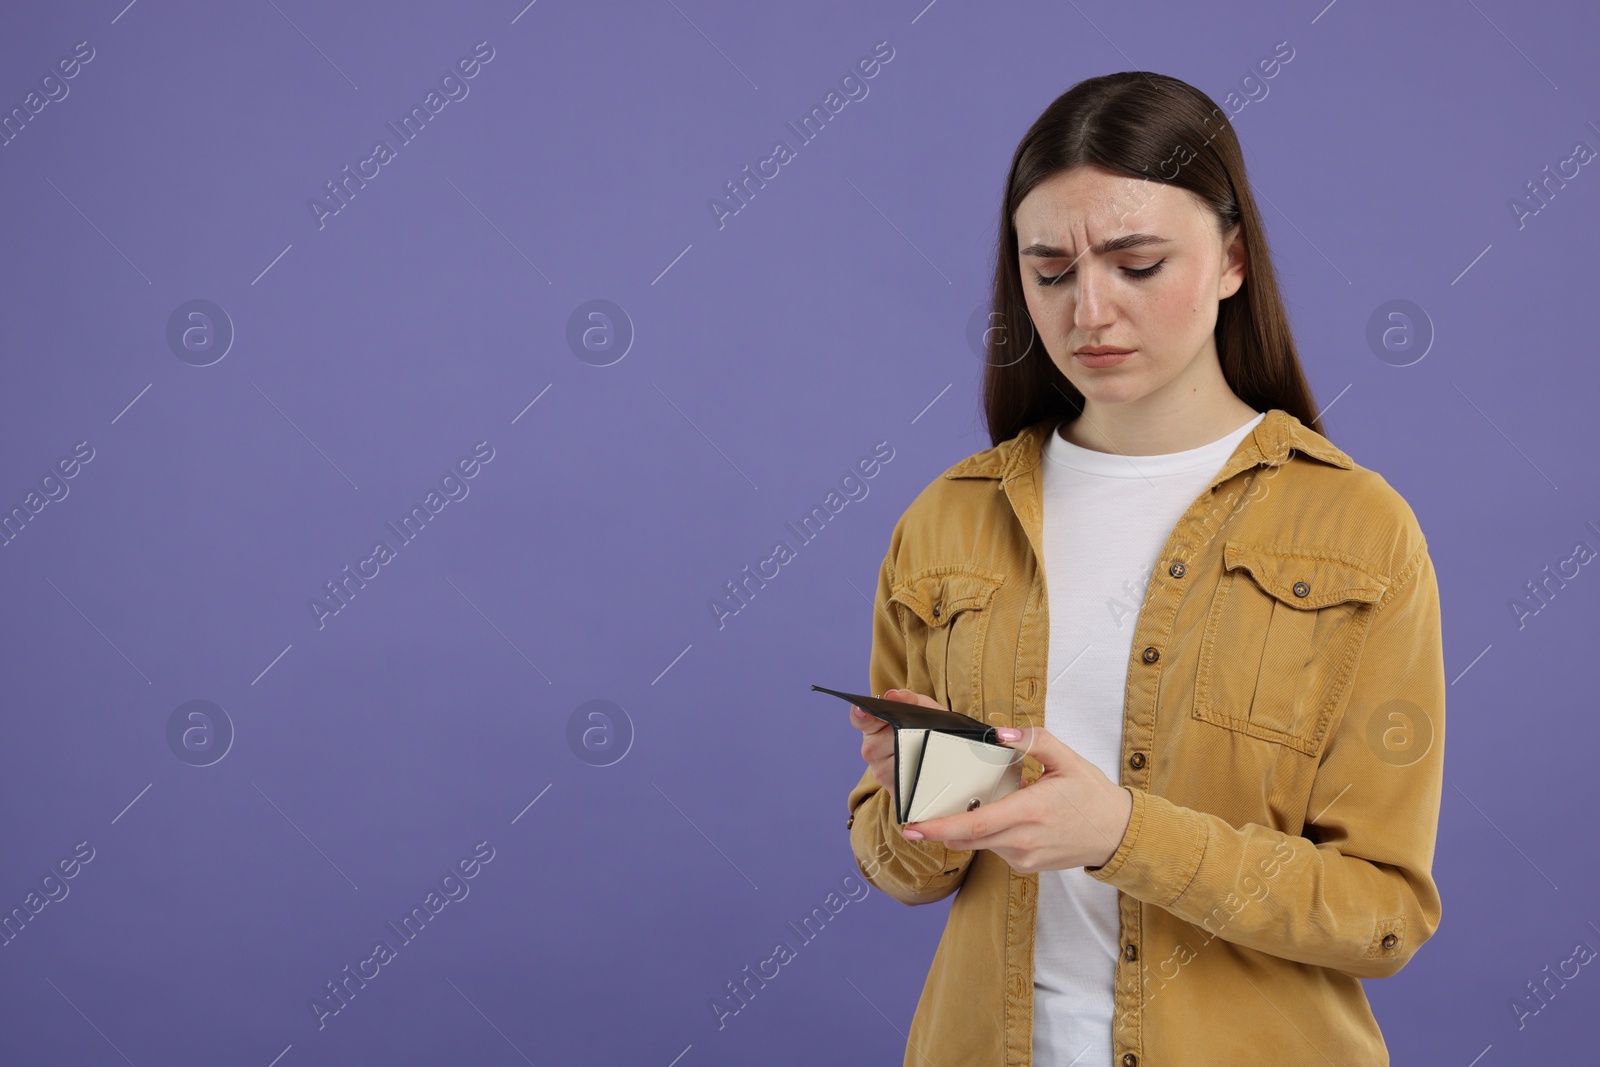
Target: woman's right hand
[{"x": 877, "y": 742}]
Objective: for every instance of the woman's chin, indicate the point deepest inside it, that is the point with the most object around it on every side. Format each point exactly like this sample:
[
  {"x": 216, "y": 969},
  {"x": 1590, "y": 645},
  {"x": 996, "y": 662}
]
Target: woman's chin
[{"x": 1097, "y": 390}]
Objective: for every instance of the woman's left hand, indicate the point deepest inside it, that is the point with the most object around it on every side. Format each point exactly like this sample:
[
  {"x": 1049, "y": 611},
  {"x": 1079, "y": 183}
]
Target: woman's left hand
[{"x": 1071, "y": 816}]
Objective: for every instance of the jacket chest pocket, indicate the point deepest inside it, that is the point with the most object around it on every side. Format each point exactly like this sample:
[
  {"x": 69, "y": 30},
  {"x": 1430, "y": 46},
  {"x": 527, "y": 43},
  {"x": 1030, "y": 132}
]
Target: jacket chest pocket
[
  {"x": 949, "y": 614},
  {"x": 1280, "y": 641}
]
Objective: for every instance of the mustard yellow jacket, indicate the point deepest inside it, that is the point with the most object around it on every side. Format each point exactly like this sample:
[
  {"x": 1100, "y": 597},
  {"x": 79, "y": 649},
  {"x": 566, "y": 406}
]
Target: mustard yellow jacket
[{"x": 1283, "y": 739}]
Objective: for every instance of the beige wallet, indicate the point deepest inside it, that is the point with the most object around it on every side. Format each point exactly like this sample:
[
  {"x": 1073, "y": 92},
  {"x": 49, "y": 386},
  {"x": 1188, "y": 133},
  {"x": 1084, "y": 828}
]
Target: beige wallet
[{"x": 944, "y": 762}]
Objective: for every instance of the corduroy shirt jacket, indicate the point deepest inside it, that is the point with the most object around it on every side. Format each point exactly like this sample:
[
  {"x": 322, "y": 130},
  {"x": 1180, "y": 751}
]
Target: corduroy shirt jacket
[{"x": 1283, "y": 740}]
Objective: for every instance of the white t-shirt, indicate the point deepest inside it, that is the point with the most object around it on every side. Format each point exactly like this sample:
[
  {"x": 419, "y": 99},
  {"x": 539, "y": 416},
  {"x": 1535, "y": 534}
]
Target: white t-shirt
[{"x": 1106, "y": 519}]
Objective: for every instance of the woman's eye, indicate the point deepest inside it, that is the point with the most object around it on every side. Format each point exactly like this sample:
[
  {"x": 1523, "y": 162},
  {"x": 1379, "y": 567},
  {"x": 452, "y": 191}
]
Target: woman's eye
[{"x": 1147, "y": 272}]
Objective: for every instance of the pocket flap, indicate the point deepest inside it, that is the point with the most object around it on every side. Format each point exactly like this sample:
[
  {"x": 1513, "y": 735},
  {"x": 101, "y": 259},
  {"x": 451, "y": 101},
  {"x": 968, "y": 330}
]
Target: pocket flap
[
  {"x": 938, "y": 594},
  {"x": 1305, "y": 578}
]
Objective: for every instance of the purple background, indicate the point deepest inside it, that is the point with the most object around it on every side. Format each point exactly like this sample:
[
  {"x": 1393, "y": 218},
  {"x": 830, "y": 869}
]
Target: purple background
[{"x": 768, "y": 355}]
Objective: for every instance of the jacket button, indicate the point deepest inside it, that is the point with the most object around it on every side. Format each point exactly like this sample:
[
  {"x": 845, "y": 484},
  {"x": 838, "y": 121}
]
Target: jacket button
[
  {"x": 1389, "y": 940},
  {"x": 1177, "y": 569},
  {"x": 1129, "y": 1060},
  {"x": 938, "y": 606},
  {"x": 1130, "y": 952},
  {"x": 1136, "y": 761},
  {"x": 1151, "y": 654},
  {"x": 1301, "y": 589},
  {"x": 851, "y": 822}
]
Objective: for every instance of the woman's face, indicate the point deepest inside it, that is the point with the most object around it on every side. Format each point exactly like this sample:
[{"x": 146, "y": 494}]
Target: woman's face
[{"x": 1154, "y": 291}]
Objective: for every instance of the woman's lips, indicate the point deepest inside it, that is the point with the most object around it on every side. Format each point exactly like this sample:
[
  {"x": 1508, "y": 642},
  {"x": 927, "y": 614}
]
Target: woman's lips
[{"x": 1108, "y": 359}]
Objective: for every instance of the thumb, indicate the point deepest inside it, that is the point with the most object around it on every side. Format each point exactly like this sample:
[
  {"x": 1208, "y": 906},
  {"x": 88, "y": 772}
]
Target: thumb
[{"x": 1051, "y": 752}]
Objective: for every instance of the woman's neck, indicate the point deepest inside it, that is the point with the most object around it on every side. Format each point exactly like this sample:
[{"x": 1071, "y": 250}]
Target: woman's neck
[{"x": 1128, "y": 433}]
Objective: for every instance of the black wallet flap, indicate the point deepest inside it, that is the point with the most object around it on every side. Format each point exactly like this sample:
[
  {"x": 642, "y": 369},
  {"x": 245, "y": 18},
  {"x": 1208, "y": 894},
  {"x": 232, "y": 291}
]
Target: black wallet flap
[{"x": 903, "y": 716}]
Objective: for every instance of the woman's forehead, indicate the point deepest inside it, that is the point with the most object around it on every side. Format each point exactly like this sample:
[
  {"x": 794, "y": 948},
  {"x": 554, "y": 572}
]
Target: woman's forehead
[{"x": 1073, "y": 211}]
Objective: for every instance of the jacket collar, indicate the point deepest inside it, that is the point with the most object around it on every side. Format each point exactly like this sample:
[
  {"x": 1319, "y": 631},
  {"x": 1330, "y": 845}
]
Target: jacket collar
[
  {"x": 1275, "y": 437},
  {"x": 1014, "y": 463}
]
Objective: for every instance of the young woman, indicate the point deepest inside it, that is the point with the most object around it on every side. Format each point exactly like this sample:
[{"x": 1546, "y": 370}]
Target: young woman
[{"x": 1212, "y": 637}]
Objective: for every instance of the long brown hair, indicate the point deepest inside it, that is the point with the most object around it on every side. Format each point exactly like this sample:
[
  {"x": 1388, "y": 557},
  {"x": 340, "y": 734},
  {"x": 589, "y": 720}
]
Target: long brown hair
[{"x": 1151, "y": 126}]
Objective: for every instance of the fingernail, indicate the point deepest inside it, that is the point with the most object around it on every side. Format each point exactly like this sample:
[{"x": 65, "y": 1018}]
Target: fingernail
[
  {"x": 856, "y": 712},
  {"x": 1008, "y": 733},
  {"x": 913, "y": 835}
]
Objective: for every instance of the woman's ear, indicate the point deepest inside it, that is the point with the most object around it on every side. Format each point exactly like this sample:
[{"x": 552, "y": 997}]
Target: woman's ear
[{"x": 1234, "y": 264}]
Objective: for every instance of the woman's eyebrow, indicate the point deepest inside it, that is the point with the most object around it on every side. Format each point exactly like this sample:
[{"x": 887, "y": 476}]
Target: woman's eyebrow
[{"x": 1113, "y": 244}]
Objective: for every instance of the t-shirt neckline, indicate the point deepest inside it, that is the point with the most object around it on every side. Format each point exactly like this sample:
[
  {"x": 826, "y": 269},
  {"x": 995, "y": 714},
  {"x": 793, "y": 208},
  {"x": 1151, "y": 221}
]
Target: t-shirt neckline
[{"x": 1063, "y": 453}]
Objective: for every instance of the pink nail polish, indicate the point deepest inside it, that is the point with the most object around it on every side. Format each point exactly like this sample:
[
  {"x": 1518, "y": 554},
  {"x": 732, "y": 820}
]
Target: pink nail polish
[
  {"x": 913, "y": 835},
  {"x": 1008, "y": 733}
]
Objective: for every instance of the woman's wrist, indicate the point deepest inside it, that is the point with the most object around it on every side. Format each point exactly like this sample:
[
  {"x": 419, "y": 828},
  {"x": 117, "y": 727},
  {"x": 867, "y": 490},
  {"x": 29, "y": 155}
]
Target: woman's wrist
[{"x": 1118, "y": 813}]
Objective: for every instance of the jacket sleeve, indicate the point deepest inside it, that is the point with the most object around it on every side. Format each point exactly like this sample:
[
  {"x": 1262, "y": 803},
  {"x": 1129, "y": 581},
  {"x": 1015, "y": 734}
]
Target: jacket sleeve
[
  {"x": 1356, "y": 893},
  {"x": 912, "y": 872}
]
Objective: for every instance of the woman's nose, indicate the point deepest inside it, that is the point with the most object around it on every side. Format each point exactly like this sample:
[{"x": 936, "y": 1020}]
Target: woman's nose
[{"x": 1091, "y": 306}]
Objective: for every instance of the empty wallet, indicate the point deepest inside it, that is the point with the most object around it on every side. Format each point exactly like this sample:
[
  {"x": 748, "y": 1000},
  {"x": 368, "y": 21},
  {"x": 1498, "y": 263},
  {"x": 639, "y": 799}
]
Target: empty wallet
[{"x": 944, "y": 762}]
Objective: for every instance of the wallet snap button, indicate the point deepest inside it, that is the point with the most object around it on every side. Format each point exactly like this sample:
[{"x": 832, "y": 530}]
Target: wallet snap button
[{"x": 973, "y": 803}]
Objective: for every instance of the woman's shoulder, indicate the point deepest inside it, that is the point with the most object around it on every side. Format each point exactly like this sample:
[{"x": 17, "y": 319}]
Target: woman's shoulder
[
  {"x": 962, "y": 482},
  {"x": 1327, "y": 500},
  {"x": 962, "y": 507}
]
